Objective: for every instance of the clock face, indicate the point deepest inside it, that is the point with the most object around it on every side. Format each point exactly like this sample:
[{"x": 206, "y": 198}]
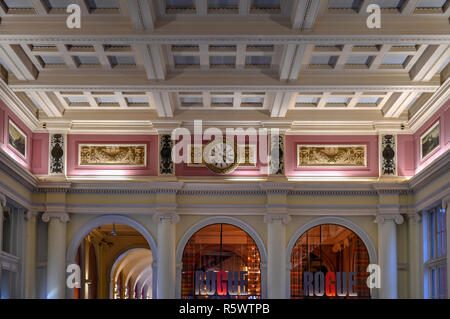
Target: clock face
[{"x": 220, "y": 158}]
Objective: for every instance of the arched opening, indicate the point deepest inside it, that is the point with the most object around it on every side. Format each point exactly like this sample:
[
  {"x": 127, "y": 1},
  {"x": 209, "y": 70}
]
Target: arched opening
[
  {"x": 117, "y": 258},
  {"x": 221, "y": 261},
  {"x": 132, "y": 275},
  {"x": 329, "y": 261}
]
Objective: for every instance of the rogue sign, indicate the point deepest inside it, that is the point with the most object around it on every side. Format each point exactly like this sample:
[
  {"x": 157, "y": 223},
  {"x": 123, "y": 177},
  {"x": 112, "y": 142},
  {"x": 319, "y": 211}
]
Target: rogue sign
[
  {"x": 330, "y": 284},
  {"x": 222, "y": 283}
]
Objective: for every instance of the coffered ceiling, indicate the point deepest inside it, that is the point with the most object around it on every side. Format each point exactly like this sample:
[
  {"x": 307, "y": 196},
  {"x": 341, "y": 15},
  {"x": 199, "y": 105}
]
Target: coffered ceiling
[{"x": 302, "y": 65}]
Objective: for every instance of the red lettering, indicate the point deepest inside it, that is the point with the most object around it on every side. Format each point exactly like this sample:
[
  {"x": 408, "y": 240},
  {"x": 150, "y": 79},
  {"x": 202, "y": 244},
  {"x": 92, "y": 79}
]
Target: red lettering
[
  {"x": 330, "y": 284},
  {"x": 222, "y": 278}
]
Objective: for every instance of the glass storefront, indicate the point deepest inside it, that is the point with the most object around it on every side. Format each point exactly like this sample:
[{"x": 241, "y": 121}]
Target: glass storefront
[
  {"x": 221, "y": 261},
  {"x": 329, "y": 261}
]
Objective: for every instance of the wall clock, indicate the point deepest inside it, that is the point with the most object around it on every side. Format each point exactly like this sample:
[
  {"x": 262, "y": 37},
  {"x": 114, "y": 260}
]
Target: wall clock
[{"x": 220, "y": 157}]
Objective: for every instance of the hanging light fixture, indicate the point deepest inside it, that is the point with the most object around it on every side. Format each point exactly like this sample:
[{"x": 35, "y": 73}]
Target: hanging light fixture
[{"x": 113, "y": 233}]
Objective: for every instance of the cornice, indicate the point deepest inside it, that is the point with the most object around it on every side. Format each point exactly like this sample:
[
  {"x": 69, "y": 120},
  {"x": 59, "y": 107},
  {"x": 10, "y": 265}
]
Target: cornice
[
  {"x": 15, "y": 170},
  {"x": 285, "y": 88},
  {"x": 392, "y": 188},
  {"x": 437, "y": 168},
  {"x": 300, "y": 38},
  {"x": 17, "y": 107}
]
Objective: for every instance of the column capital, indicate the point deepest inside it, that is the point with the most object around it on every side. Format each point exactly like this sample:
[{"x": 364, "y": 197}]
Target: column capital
[
  {"x": 285, "y": 218},
  {"x": 397, "y": 218},
  {"x": 64, "y": 217},
  {"x": 445, "y": 202},
  {"x": 2, "y": 200},
  {"x": 172, "y": 217},
  {"x": 30, "y": 214},
  {"x": 416, "y": 217}
]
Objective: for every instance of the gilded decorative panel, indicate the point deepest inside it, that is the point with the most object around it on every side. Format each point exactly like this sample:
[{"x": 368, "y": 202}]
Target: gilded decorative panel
[
  {"x": 332, "y": 155},
  {"x": 112, "y": 154}
]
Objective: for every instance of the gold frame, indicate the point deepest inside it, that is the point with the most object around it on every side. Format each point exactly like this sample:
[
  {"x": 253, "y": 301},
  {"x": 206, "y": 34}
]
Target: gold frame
[
  {"x": 14, "y": 125},
  {"x": 112, "y": 164},
  {"x": 437, "y": 124},
  {"x": 334, "y": 146}
]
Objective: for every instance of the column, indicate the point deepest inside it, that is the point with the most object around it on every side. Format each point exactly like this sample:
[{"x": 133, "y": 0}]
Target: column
[
  {"x": 30, "y": 255},
  {"x": 276, "y": 253},
  {"x": 2, "y": 205},
  {"x": 166, "y": 255},
  {"x": 414, "y": 260},
  {"x": 56, "y": 260},
  {"x": 387, "y": 254},
  {"x": 446, "y": 207}
]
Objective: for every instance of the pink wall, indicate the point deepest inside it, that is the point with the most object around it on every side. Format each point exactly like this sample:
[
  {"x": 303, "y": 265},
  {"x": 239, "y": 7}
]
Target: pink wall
[
  {"x": 408, "y": 151},
  {"x": 260, "y": 169},
  {"x": 36, "y": 160},
  {"x": 151, "y": 169},
  {"x": 371, "y": 142}
]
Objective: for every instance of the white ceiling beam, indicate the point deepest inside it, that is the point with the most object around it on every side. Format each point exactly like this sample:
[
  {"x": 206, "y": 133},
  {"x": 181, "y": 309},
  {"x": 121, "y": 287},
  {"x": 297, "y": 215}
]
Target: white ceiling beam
[
  {"x": 154, "y": 63},
  {"x": 40, "y": 7},
  {"x": 445, "y": 73},
  {"x": 343, "y": 57},
  {"x": 83, "y": 6},
  {"x": 142, "y": 14},
  {"x": 163, "y": 104},
  {"x": 18, "y": 62},
  {"x": 282, "y": 103},
  {"x": 286, "y": 61},
  {"x": 49, "y": 103},
  {"x": 304, "y": 14},
  {"x": 244, "y": 7},
  {"x": 429, "y": 63},
  {"x": 354, "y": 100},
  {"x": 276, "y": 104},
  {"x": 202, "y": 7},
  {"x": 121, "y": 99},
  {"x": 91, "y": 100},
  {"x": 409, "y": 7},
  {"x": 66, "y": 56},
  {"x": 292, "y": 62},
  {"x": 398, "y": 103}
]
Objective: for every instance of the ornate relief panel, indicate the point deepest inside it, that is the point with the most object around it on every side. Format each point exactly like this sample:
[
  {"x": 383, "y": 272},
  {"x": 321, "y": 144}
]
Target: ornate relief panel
[
  {"x": 277, "y": 155},
  {"x": 332, "y": 155},
  {"x": 57, "y": 154},
  {"x": 112, "y": 154},
  {"x": 166, "y": 166},
  {"x": 388, "y": 154}
]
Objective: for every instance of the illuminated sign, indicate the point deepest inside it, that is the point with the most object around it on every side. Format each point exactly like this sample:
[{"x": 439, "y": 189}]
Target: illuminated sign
[
  {"x": 330, "y": 284},
  {"x": 221, "y": 283}
]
